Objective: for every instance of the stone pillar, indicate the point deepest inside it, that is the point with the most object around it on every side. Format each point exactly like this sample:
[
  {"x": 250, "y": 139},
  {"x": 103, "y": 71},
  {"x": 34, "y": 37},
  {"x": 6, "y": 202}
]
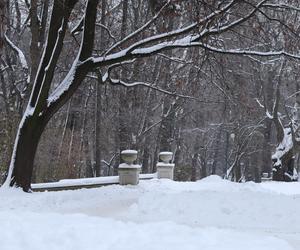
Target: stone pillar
[
  {"x": 165, "y": 169},
  {"x": 129, "y": 172}
]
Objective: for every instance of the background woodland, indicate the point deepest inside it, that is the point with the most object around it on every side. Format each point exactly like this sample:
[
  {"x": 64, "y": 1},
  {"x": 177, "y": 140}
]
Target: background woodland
[{"x": 207, "y": 107}]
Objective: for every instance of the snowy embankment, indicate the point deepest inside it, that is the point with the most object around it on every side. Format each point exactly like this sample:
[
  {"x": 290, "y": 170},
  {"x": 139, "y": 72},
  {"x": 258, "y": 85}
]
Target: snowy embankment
[{"x": 211, "y": 214}]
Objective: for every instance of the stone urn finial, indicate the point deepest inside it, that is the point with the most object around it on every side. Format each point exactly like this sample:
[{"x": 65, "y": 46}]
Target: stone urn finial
[
  {"x": 166, "y": 157},
  {"x": 129, "y": 156}
]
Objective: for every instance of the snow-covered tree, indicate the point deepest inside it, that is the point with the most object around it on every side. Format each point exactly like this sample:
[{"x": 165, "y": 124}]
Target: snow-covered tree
[{"x": 207, "y": 28}]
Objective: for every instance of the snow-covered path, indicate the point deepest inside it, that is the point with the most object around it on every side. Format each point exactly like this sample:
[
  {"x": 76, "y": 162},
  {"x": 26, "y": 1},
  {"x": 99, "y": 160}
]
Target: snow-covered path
[{"x": 211, "y": 214}]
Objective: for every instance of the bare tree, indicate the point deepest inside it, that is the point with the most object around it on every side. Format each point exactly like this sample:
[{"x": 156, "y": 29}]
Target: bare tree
[{"x": 206, "y": 31}]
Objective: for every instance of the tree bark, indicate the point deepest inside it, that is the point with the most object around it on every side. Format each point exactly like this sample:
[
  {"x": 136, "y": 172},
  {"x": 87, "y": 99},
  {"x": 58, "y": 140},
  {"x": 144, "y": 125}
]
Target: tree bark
[
  {"x": 125, "y": 101},
  {"x": 98, "y": 131},
  {"x": 98, "y": 107},
  {"x": 26, "y": 144},
  {"x": 2, "y": 23}
]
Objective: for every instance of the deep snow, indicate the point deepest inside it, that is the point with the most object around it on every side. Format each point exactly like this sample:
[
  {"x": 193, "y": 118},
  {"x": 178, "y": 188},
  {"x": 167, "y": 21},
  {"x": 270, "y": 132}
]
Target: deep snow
[{"x": 211, "y": 214}]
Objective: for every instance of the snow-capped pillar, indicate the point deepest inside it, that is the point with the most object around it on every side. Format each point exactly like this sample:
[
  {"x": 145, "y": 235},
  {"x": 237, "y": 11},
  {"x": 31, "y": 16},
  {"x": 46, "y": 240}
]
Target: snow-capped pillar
[
  {"x": 129, "y": 172},
  {"x": 165, "y": 169}
]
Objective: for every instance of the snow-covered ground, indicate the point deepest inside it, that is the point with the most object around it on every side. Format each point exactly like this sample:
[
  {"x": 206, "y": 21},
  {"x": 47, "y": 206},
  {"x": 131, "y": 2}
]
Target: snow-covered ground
[{"x": 211, "y": 214}]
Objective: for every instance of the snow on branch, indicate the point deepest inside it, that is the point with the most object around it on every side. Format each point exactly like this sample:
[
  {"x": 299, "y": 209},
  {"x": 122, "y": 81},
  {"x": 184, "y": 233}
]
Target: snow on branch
[
  {"x": 188, "y": 41},
  {"x": 281, "y": 6},
  {"x": 163, "y": 41},
  {"x": 21, "y": 55},
  {"x": 129, "y": 53},
  {"x": 148, "y": 85},
  {"x": 64, "y": 86},
  {"x": 249, "y": 52},
  {"x": 189, "y": 28},
  {"x": 78, "y": 69},
  {"x": 168, "y": 35},
  {"x": 187, "y": 36},
  {"x": 78, "y": 27}
]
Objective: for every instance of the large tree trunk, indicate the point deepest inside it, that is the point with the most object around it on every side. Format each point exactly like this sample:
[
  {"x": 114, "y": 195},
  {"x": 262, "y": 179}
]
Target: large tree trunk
[{"x": 26, "y": 143}]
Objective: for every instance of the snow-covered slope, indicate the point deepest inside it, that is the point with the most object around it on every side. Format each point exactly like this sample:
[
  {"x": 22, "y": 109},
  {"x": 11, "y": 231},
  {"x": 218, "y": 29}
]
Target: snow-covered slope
[{"x": 211, "y": 214}]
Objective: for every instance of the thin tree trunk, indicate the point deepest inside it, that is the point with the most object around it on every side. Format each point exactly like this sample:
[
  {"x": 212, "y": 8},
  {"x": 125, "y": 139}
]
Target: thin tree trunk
[
  {"x": 98, "y": 100},
  {"x": 82, "y": 134},
  {"x": 34, "y": 44},
  {"x": 216, "y": 152},
  {"x": 64, "y": 130},
  {"x": 3, "y": 18},
  {"x": 98, "y": 131},
  {"x": 70, "y": 158}
]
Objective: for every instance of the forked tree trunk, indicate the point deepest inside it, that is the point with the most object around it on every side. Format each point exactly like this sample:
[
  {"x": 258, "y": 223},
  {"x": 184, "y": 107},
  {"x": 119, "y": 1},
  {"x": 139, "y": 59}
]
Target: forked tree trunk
[
  {"x": 286, "y": 169},
  {"x": 283, "y": 158},
  {"x": 40, "y": 110}
]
